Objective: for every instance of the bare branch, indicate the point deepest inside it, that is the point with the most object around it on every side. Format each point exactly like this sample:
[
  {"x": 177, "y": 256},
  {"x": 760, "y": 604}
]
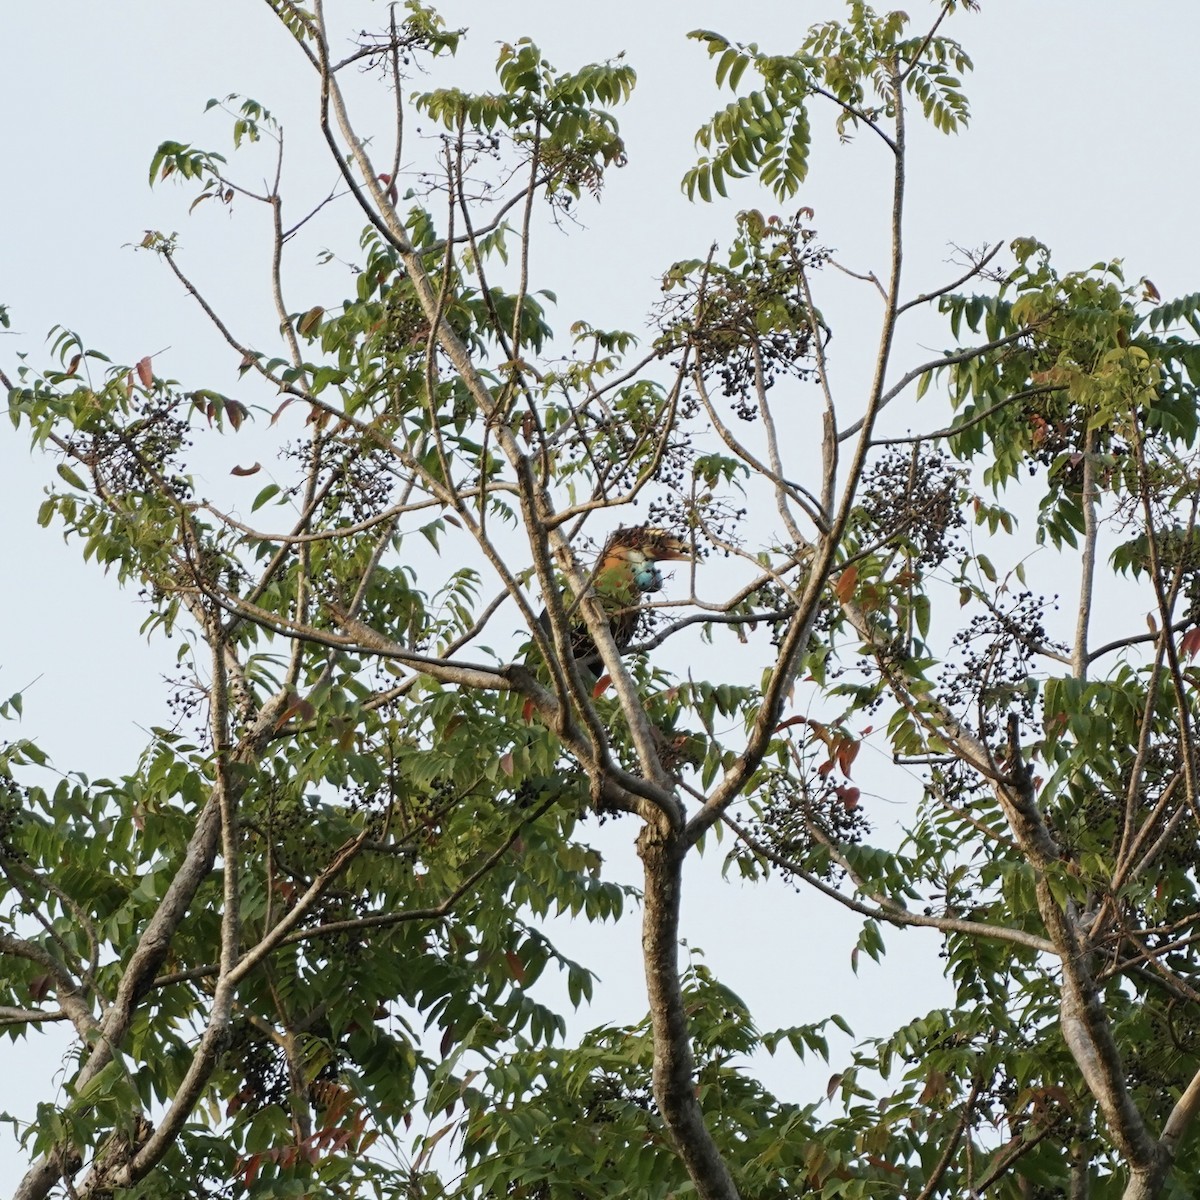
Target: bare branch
[
  {"x": 885, "y": 910},
  {"x": 947, "y": 360},
  {"x": 975, "y": 269}
]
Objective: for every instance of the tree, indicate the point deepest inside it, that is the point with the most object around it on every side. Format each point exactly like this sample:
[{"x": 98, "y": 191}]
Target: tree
[{"x": 361, "y": 805}]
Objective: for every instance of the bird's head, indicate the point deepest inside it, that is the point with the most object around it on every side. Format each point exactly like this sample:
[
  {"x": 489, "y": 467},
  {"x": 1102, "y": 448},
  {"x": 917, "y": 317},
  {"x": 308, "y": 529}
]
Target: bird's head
[{"x": 632, "y": 554}]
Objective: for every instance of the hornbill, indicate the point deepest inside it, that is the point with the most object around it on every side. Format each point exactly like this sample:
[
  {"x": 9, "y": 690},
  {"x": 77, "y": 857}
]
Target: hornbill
[{"x": 626, "y": 571}]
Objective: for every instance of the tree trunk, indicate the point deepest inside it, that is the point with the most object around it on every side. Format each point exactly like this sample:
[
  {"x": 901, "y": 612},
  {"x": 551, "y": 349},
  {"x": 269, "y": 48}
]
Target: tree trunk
[{"x": 674, "y": 1067}]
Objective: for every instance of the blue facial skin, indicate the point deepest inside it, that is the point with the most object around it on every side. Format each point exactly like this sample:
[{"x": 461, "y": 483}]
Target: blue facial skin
[{"x": 647, "y": 577}]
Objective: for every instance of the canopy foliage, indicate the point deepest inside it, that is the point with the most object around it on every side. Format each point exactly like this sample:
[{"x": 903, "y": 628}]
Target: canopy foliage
[{"x": 297, "y": 941}]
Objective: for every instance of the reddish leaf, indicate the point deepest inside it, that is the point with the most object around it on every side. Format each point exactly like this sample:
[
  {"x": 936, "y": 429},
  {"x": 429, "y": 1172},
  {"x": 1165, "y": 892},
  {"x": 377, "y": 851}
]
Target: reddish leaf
[
  {"x": 506, "y": 763},
  {"x": 883, "y": 1164},
  {"x": 527, "y": 711},
  {"x": 144, "y": 372},
  {"x": 844, "y": 587},
  {"x": 1189, "y": 644},
  {"x": 835, "y": 1082},
  {"x": 254, "y": 470},
  {"x": 39, "y": 988},
  {"x": 279, "y": 411},
  {"x": 847, "y": 752},
  {"x": 848, "y": 796},
  {"x": 602, "y": 685},
  {"x": 73, "y": 365},
  {"x": 516, "y": 967},
  {"x": 297, "y": 706},
  {"x": 237, "y": 412}
]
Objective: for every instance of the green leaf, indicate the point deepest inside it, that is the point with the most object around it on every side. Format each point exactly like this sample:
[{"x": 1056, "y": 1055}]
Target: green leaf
[
  {"x": 267, "y": 493},
  {"x": 65, "y": 472}
]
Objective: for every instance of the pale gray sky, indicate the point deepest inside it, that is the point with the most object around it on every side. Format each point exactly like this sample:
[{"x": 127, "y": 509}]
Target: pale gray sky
[{"x": 1083, "y": 135}]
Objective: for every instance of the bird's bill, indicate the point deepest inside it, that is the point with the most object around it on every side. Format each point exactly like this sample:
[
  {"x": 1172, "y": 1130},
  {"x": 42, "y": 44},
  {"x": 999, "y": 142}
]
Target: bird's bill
[{"x": 672, "y": 549}]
